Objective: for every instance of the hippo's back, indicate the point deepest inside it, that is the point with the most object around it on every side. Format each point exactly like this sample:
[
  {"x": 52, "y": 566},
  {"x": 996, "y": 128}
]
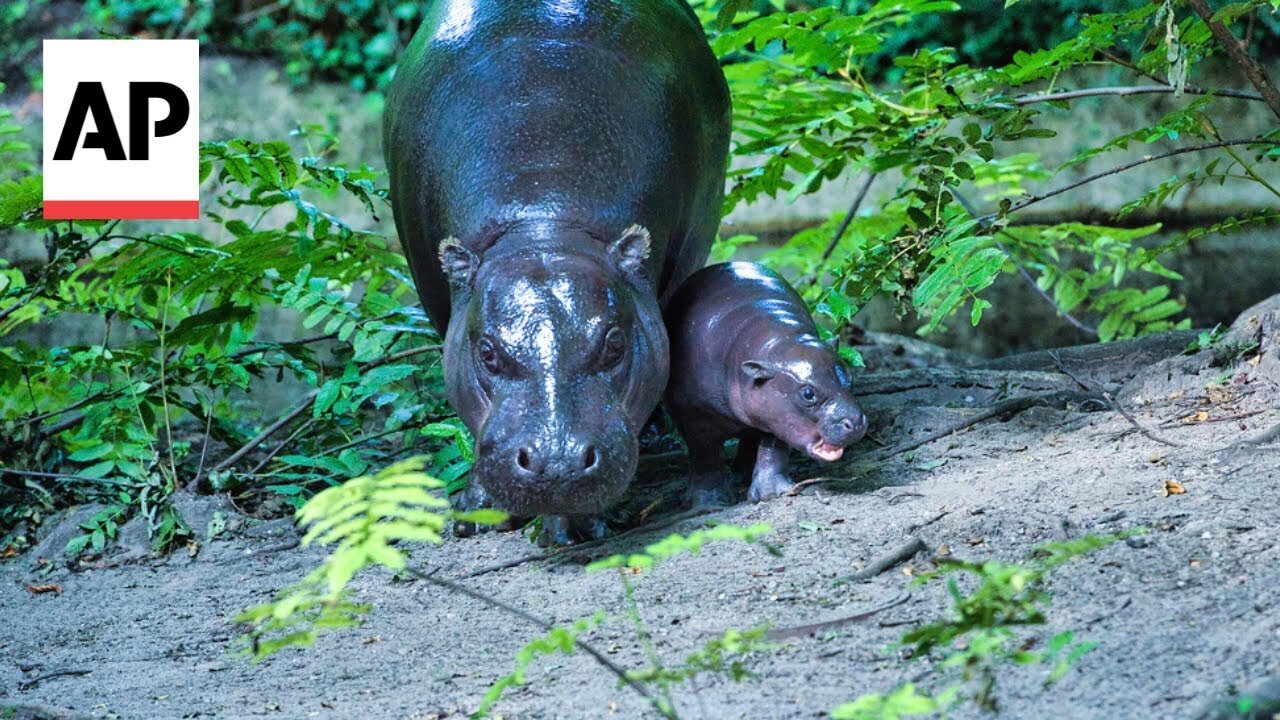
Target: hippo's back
[
  {"x": 719, "y": 303},
  {"x": 594, "y": 113}
]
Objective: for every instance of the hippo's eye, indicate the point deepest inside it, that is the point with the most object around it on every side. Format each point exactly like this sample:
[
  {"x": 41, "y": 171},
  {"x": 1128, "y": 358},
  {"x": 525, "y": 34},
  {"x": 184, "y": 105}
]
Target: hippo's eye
[
  {"x": 488, "y": 355},
  {"x": 615, "y": 342},
  {"x": 807, "y": 395}
]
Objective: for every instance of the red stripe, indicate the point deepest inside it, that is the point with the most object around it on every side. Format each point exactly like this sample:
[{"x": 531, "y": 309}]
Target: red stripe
[{"x": 122, "y": 209}]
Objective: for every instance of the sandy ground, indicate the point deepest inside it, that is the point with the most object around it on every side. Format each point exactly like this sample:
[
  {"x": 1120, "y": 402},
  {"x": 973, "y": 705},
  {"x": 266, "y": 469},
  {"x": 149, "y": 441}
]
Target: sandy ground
[{"x": 1181, "y": 614}]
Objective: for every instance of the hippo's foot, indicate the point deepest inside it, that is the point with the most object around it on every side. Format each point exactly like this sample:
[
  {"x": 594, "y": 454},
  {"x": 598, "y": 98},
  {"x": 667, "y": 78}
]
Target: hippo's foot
[
  {"x": 767, "y": 486},
  {"x": 571, "y": 529},
  {"x": 473, "y": 497},
  {"x": 713, "y": 489}
]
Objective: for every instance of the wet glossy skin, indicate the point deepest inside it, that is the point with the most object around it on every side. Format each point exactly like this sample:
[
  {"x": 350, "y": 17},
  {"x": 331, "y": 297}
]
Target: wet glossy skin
[
  {"x": 746, "y": 362},
  {"x": 534, "y": 133}
]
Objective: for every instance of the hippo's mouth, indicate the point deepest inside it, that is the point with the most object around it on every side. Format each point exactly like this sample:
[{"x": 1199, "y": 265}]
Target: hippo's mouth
[{"x": 823, "y": 450}]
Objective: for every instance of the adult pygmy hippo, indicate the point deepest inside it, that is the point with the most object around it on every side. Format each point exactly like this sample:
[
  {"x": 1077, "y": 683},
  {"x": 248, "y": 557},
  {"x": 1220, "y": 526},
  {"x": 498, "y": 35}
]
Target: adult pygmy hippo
[
  {"x": 555, "y": 164},
  {"x": 746, "y": 361}
]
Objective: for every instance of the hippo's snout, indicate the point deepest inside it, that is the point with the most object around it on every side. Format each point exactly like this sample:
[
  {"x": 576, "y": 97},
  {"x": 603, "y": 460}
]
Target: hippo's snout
[
  {"x": 569, "y": 474},
  {"x": 843, "y": 426},
  {"x": 570, "y": 460}
]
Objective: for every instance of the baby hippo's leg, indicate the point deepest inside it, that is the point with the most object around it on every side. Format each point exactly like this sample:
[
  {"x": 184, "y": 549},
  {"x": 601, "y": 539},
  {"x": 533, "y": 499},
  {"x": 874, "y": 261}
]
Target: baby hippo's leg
[
  {"x": 710, "y": 485},
  {"x": 769, "y": 479},
  {"x": 748, "y": 447}
]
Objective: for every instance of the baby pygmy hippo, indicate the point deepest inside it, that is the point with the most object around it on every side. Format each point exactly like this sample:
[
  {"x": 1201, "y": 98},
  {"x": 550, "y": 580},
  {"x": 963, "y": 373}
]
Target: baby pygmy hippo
[{"x": 747, "y": 362}]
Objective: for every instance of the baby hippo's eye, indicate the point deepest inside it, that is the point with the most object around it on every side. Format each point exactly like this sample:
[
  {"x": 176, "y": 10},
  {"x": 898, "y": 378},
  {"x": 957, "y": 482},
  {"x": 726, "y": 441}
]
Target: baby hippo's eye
[
  {"x": 807, "y": 395},
  {"x": 488, "y": 354},
  {"x": 615, "y": 342}
]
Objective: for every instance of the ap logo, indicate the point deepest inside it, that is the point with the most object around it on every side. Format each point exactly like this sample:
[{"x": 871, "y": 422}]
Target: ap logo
[{"x": 121, "y": 129}]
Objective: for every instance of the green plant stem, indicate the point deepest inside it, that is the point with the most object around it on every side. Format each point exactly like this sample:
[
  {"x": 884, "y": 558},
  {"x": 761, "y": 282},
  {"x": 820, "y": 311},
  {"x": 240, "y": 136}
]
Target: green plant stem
[
  {"x": 583, "y": 645},
  {"x": 1251, "y": 174}
]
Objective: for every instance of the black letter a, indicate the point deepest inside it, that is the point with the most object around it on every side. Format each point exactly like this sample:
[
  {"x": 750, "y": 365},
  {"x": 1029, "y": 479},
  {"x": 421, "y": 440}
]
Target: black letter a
[{"x": 89, "y": 97}]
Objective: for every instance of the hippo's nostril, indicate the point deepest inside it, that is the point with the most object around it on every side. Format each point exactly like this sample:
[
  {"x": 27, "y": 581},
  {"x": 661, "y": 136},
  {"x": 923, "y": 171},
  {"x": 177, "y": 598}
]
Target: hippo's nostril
[
  {"x": 590, "y": 459},
  {"x": 522, "y": 459},
  {"x": 847, "y": 424}
]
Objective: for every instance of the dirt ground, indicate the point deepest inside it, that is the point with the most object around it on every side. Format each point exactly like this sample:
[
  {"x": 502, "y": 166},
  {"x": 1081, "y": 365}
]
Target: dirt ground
[{"x": 1181, "y": 614}]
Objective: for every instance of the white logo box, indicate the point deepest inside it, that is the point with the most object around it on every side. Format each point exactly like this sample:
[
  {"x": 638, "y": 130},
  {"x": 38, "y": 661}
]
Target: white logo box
[{"x": 89, "y": 185}]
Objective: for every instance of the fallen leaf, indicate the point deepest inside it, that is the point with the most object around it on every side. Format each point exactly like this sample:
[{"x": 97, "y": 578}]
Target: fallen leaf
[
  {"x": 1172, "y": 487},
  {"x": 932, "y": 464},
  {"x": 1196, "y": 563},
  {"x": 1255, "y": 360},
  {"x": 943, "y": 551},
  {"x": 44, "y": 588},
  {"x": 974, "y": 542},
  {"x": 8, "y": 552},
  {"x": 1196, "y": 417},
  {"x": 372, "y": 639}
]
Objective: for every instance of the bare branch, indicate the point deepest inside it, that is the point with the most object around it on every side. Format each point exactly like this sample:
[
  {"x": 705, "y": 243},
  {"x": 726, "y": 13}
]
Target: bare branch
[
  {"x": 1239, "y": 52},
  {"x": 844, "y": 225},
  {"x": 1122, "y": 91},
  {"x": 1033, "y": 199}
]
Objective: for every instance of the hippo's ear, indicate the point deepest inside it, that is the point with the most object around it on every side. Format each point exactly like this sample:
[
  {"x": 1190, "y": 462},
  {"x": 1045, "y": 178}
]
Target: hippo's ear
[
  {"x": 459, "y": 264},
  {"x": 630, "y": 249},
  {"x": 758, "y": 370}
]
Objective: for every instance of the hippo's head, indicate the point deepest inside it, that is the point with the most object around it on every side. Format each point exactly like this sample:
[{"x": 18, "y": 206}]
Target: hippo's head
[
  {"x": 802, "y": 394},
  {"x": 555, "y": 357}
]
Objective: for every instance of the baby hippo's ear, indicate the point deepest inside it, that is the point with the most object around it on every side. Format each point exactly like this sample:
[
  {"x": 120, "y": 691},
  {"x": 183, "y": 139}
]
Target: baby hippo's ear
[
  {"x": 630, "y": 249},
  {"x": 758, "y": 370},
  {"x": 459, "y": 263}
]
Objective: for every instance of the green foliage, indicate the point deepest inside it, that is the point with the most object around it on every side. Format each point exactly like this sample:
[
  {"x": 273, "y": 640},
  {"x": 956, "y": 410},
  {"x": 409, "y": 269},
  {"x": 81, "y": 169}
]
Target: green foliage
[
  {"x": 556, "y": 640},
  {"x": 806, "y": 113},
  {"x": 176, "y": 340},
  {"x": 982, "y": 634},
  {"x": 680, "y": 544},
  {"x": 724, "y": 654},
  {"x": 364, "y": 519}
]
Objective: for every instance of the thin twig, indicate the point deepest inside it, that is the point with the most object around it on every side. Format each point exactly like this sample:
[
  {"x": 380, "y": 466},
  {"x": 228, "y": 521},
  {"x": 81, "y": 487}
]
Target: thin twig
[
  {"x": 844, "y": 225},
  {"x": 1002, "y": 408},
  {"x": 60, "y": 476},
  {"x": 1062, "y": 367},
  {"x": 283, "y": 444},
  {"x": 575, "y": 549},
  {"x": 1134, "y": 422},
  {"x": 1266, "y": 436},
  {"x": 1239, "y": 53},
  {"x": 1133, "y": 90},
  {"x": 261, "y": 437},
  {"x": 900, "y": 554},
  {"x": 804, "y": 630},
  {"x": 301, "y": 407},
  {"x": 595, "y": 654},
  {"x": 985, "y": 221},
  {"x": 204, "y": 448},
  {"x": 1033, "y": 199},
  {"x": 26, "y": 685}
]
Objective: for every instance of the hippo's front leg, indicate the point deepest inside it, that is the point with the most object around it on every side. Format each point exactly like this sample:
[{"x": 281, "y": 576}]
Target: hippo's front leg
[
  {"x": 769, "y": 478},
  {"x": 558, "y": 530},
  {"x": 473, "y": 497}
]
